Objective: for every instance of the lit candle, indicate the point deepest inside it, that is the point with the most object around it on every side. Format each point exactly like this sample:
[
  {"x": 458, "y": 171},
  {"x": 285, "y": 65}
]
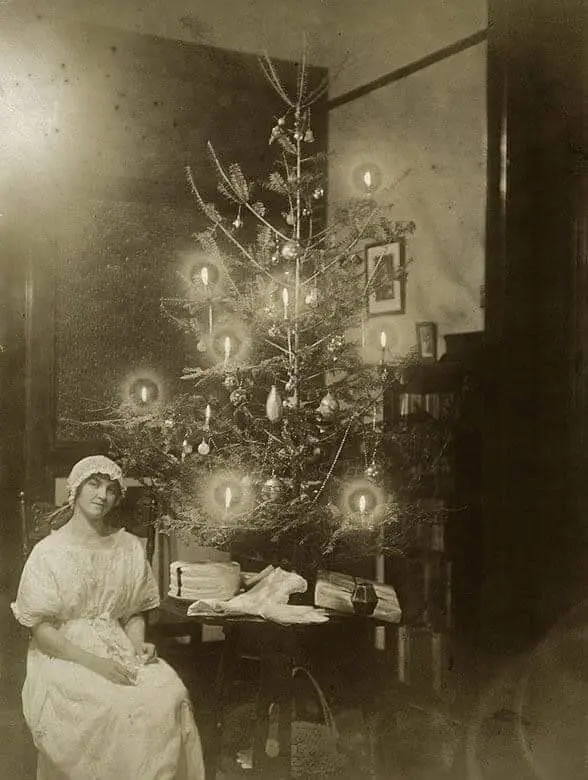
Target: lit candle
[
  {"x": 207, "y": 417},
  {"x": 285, "y": 299},
  {"x": 367, "y": 180},
  {"x": 204, "y": 275},
  {"x": 362, "y": 504},
  {"x": 383, "y": 342},
  {"x": 228, "y": 497},
  {"x": 227, "y": 349},
  {"x": 144, "y": 394}
]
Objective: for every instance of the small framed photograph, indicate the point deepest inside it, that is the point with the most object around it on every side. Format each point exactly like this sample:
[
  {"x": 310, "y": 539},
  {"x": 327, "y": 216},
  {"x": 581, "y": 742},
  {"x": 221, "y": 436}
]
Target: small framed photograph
[
  {"x": 385, "y": 278},
  {"x": 427, "y": 340}
]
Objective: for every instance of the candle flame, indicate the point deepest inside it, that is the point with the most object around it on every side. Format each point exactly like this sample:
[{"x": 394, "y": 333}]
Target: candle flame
[
  {"x": 285, "y": 299},
  {"x": 227, "y": 347},
  {"x": 367, "y": 180},
  {"x": 383, "y": 339},
  {"x": 228, "y": 497},
  {"x": 204, "y": 275},
  {"x": 207, "y": 413},
  {"x": 362, "y": 503},
  {"x": 144, "y": 394}
]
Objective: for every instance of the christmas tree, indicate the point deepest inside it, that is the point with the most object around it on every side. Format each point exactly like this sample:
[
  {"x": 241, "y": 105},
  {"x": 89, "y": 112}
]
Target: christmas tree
[{"x": 275, "y": 448}]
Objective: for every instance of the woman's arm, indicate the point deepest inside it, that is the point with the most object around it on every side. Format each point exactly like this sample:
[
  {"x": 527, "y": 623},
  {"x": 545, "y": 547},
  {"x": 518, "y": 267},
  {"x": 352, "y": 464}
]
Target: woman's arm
[
  {"x": 134, "y": 628},
  {"x": 51, "y": 642}
]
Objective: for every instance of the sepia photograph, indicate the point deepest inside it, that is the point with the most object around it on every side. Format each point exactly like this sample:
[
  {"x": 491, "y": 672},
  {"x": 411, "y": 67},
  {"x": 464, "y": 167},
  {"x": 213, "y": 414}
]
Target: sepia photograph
[{"x": 293, "y": 390}]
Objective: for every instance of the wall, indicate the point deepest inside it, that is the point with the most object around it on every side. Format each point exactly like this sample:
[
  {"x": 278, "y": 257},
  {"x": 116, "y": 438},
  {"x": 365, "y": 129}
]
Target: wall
[
  {"x": 254, "y": 26},
  {"x": 427, "y": 134}
]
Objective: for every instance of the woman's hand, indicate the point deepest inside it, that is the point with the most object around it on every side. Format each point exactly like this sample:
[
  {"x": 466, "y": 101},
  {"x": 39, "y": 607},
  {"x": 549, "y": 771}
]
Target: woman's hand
[
  {"x": 112, "y": 670},
  {"x": 147, "y": 653}
]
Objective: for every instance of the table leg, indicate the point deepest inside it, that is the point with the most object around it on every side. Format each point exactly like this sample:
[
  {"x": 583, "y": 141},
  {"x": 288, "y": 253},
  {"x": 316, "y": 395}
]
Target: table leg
[{"x": 224, "y": 679}]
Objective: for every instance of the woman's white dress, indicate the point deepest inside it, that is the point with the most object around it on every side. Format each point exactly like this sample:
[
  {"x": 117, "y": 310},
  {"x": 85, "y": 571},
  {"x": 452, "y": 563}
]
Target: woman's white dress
[{"x": 84, "y": 726}]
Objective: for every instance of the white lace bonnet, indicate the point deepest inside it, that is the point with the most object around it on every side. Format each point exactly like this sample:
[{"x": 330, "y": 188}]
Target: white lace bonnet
[{"x": 85, "y": 468}]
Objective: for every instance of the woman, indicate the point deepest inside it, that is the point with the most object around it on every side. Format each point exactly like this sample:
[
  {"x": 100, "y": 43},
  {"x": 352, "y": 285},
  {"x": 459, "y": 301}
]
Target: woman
[{"x": 99, "y": 704}]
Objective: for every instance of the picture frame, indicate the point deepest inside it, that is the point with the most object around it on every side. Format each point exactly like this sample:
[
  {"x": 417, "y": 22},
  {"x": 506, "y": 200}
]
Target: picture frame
[
  {"x": 426, "y": 333},
  {"x": 386, "y": 279}
]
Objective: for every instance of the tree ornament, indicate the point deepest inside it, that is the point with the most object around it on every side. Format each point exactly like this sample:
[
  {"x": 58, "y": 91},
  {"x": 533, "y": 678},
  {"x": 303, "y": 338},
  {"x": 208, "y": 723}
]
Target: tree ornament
[
  {"x": 237, "y": 222},
  {"x": 290, "y": 384},
  {"x": 203, "y": 447},
  {"x": 290, "y": 250},
  {"x": 275, "y": 258},
  {"x": 282, "y": 121},
  {"x": 273, "y": 489},
  {"x": 289, "y": 402},
  {"x": 273, "y": 405},
  {"x": 373, "y": 472},
  {"x": 290, "y": 219},
  {"x": 306, "y": 212},
  {"x": 328, "y": 406},
  {"x": 201, "y": 346},
  {"x": 309, "y": 136},
  {"x": 318, "y": 193},
  {"x": 187, "y": 449},
  {"x": 230, "y": 381},
  {"x": 311, "y": 297},
  {"x": 238, "y": 396},
  {"x": 169, "y": 423}
]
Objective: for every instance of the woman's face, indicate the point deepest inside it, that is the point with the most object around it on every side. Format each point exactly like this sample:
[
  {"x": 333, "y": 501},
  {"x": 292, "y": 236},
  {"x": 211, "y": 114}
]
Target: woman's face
[{"x": 97, "y": 496}]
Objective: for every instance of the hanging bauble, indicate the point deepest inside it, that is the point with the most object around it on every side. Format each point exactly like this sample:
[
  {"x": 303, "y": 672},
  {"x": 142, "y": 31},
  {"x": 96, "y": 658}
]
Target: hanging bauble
[
  {"x": 187, "y": 448},
  {"x": 309, "y": 136},
  {"x": 306, "y": 212},
  {"x": 289, "y": 402},
  {"x": 203, "y": 447},
  {"x": 290, "y": 250},
  {"x": 290, "y": 384},
  {"x": 328, "y": 406},
  {"x": 311, "y": 297},
  {"x": 238, "y": 396},
  {"x": 237, "y": 223},
  {"x": 298, "y": 135},
  {"x": 290, "y": 219},
  {"x": 230, "y": 381},
  {"x": 282, "y": 121},
  {"x": 273, "y": 405},
  {"x": 273, "y": 489},
  {"x": 318, "y": 193},
  {"x": 373, "y": 472},
  {"x": 275, "y": 258},
  {"x": 335, "y": 343}
]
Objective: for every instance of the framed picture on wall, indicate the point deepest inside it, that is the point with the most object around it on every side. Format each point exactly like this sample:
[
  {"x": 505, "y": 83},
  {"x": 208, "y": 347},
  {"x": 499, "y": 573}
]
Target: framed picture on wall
[
  {"x": 385, "y": 278},
  {"x": 427, "y": 340}
]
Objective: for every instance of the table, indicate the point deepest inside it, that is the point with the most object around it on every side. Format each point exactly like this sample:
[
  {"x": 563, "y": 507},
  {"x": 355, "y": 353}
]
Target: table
[{"x": 280, "y": 649}]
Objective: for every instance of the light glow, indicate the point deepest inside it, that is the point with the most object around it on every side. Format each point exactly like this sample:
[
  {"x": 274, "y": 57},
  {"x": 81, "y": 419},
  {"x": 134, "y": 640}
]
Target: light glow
[
  {"x": 207, "y": 413},
  {"x": 367, "y": 180},
  {"x": 383, "y": 339},
  {"x": 228, "y": 498},
  {"x": 204, "y": 275},
  {"x": 144, "y": 394},
  {"x": 285, "y": 300},
  {"x": 362, "y": 503}
]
